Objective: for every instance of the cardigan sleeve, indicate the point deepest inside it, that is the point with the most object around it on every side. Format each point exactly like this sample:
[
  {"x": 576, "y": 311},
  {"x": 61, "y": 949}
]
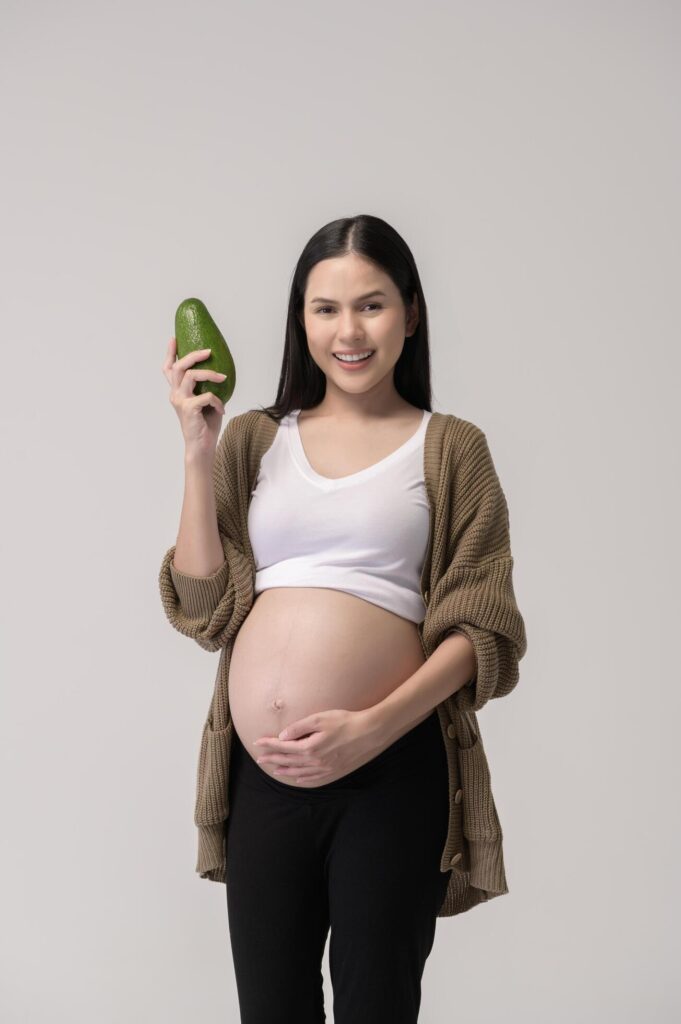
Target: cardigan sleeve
[
  {"x": 210, "y": 609},
  {"x": 475, "y": 595}
]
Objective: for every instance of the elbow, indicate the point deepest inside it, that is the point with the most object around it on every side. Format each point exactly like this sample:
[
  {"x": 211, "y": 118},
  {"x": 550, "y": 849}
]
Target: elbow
[{"x": 207, "y": 609}]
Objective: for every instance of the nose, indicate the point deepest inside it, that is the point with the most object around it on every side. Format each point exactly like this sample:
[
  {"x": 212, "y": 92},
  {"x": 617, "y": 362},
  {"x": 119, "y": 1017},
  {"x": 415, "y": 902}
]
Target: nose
[{"x": 348, "y": 331}]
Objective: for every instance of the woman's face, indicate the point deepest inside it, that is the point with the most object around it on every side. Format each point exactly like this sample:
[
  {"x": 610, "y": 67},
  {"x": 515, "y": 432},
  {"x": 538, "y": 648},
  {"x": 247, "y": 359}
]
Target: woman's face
[{"x": 344, "y": 312}]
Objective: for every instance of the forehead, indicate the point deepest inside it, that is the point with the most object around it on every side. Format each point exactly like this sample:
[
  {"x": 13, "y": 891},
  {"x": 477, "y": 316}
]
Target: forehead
[{"x": 346, "y": 277}]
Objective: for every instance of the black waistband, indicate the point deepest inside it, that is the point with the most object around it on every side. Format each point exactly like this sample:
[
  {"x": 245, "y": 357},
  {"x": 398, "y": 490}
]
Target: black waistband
[{"x": 427, "y": 733}]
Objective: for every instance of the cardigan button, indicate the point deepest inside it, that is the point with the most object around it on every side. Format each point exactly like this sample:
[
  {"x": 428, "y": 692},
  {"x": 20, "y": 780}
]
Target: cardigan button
[
  {"x": 426, "y": 595},
  {"x": 451, "y": 730},
  {"x": 457, "y": 796},
  {"x": 455, "y": 859}
]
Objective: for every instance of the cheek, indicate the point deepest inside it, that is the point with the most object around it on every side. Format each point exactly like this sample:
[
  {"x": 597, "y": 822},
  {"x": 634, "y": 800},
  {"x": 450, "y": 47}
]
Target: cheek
[
  {"x": 387, "y": 332},
  {"x": 318, "y": 351},
  {"x": 395, "y": 327},
  {"x": 319, "y": 341}
]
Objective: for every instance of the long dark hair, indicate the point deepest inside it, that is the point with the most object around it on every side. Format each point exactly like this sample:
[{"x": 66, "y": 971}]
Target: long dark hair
[{"x": 302, "y": 384}]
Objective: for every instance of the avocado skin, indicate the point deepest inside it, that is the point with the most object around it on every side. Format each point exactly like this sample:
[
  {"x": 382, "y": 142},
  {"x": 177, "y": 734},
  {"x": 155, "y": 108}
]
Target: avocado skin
[{"x": 196, "y": 329}]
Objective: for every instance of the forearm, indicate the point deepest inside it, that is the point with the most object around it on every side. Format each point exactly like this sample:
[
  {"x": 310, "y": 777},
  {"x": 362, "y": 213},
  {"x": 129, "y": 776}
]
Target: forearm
[
  {"x": 198, "y": 550},
  {"x": 451, "y": 665}
]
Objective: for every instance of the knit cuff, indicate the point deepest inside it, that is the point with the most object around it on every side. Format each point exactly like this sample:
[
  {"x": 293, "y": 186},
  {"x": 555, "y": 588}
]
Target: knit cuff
[
  {"x": 482, "y": 687},
  {"x": 199, "y": 596}
]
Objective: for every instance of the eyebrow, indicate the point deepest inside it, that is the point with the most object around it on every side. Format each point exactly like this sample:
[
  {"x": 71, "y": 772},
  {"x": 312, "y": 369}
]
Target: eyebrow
[{"x": 360, "y": 298}]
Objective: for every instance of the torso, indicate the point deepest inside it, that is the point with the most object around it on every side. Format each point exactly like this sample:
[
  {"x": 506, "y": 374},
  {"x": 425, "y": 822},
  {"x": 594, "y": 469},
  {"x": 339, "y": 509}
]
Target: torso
[{"x": 307, "y": 649}]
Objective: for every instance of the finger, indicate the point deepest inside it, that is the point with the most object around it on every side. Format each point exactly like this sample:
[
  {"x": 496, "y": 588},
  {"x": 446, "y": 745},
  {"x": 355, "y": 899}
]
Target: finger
[
  {"x": 174, "y": 367},
  {"x": 297, "y": 773},
  {"x": 205, "y": 401},
  {"x": 171, "y": 352},
  {"x": 273, "y": 745},
  {"x": 219, "y": 405},
  {"x": 180, "y": 366},
  {"x": 312, "y": 778},
  {"x": 208, "y": 399},
  {"x": 185, "y": 386},
  {"x": 292, "y": 763},
  {"x": 195, "y": 355}
]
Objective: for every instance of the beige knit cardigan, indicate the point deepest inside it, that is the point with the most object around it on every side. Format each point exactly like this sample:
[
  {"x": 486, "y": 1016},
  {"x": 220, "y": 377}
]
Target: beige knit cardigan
[{"x": 466, "y": 584}]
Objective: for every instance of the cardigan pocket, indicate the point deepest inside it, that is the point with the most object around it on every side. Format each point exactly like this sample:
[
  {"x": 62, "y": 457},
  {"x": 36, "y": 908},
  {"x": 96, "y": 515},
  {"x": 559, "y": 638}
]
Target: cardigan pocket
[
  {"x": 212, "y": 805},
  {"x": 480, "y": 818}
]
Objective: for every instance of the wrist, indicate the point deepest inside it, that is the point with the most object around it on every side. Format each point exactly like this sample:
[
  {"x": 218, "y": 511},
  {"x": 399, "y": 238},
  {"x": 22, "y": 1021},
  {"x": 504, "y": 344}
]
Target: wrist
[
  {"x": 376, "y": 723},
  {"x": 201, "y": 461}
]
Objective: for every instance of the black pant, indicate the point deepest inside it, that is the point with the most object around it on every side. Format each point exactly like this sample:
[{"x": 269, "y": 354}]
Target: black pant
[{"x": 360, "y": 854}]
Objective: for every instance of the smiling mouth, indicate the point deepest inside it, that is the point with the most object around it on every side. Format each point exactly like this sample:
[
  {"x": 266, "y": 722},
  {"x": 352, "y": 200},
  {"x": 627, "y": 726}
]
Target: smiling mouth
[{"x": 355, "y": 358}]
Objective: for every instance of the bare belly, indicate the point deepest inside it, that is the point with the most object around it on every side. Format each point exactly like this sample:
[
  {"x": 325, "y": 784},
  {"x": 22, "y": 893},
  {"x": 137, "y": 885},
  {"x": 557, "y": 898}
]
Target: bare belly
[{"x": 307, "y": 649}]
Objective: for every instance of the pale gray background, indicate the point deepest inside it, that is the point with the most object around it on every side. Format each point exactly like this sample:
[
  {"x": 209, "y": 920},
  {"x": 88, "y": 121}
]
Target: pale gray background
[{"x": 529, "y": 153}]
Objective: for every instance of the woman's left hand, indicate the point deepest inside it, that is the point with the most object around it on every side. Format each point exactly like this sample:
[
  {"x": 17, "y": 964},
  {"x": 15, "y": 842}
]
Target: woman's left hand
[{"x": 324, "y": 745}]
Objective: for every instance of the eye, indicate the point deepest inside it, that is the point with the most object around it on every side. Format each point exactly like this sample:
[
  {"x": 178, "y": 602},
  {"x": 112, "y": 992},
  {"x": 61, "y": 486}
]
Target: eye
[{"x": 376, "y": 305}]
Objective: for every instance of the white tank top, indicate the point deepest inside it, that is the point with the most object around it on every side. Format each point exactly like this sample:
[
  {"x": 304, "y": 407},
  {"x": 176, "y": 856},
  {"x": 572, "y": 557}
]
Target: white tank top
[{"x": 366, "y": 533}]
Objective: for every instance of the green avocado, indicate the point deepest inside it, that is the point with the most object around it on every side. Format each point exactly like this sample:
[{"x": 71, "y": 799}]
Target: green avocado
[{"x": 195, "y": 329}]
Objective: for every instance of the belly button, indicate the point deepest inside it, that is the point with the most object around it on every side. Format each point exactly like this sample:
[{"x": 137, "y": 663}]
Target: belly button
[{"x": 277, "y": 703}]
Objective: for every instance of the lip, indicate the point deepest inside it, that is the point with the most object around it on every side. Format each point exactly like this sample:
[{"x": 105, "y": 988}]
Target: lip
[{"x": 354, "y": 366}]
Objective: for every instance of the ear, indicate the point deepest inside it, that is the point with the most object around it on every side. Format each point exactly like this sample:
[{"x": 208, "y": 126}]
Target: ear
[{"x": 412, "y": 316}]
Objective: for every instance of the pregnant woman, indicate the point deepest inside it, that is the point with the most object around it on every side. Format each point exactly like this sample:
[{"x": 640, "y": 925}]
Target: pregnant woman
[{"x": 347, "y": 551}]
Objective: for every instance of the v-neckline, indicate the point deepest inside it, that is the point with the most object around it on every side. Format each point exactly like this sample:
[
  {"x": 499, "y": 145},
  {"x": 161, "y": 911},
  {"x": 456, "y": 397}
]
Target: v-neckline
[{"x": 332, "y": 483}]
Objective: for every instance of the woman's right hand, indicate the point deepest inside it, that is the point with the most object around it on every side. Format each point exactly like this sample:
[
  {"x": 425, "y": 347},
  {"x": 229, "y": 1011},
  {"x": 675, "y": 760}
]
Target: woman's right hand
[{"x": 200, "y": 431}]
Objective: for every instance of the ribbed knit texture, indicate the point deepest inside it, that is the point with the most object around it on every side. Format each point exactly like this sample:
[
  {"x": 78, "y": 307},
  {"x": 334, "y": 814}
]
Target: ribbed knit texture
[{"x": 467, "y": 586}]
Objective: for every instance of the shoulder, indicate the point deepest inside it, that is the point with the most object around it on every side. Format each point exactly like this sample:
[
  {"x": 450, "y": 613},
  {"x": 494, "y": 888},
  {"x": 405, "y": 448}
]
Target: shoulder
[
  {"x": 242, "y": 422},
  {"x": 450, "y": 441},
  {"x": 466, "y": 457},
  {"x": 246, "y": 436},
  {"x": 463, "y": 438},
  {"x": 243, "y": 426}
]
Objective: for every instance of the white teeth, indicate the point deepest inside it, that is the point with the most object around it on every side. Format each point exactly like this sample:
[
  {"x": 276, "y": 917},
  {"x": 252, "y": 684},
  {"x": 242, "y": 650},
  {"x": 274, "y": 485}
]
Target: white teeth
[{"x": 352, "y": 359}]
